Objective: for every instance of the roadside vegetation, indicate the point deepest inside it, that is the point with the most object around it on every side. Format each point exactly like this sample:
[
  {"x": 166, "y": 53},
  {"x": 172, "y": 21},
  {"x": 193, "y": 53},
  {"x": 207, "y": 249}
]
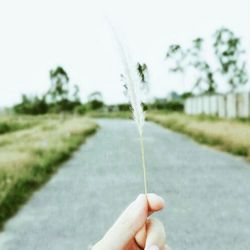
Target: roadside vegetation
[
  {"x": 229, "y": 135},
  {"x": 31, "y": 153},
  {"x": 10, "y": 123}
]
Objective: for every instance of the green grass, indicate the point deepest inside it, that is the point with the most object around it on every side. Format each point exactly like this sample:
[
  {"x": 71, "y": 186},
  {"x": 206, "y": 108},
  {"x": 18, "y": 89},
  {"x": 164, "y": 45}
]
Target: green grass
[
  {"x": 13, "y": 123},
  {"x": 29, "y": 156},
  {"x": 229, "y": 135}
]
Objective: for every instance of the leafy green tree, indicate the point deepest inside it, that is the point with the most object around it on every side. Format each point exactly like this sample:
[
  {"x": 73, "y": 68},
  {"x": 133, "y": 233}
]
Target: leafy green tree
[
  {"x": 177, "y": 54},
  {"x": 96, "y": 95},
  {"x": 142, "y": 70},
  {"x": 32, "y": 105},
  {"x": 57, "y": 99},
  {"x": 59, "y": 85},
  {"x": 177, "y": 57},
  {"x": 80, "y": 109},
  {"x": 205, "y": 82},
  {"x": 229, "y": 52},
  {"x": 183, "y": 59},
  {"x": 95, "y": 101},
  {"x": 59, "y": 95}
]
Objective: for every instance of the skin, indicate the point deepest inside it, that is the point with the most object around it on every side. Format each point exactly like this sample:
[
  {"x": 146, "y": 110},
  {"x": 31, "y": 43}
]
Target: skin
[{"x": 134, "y": 230}]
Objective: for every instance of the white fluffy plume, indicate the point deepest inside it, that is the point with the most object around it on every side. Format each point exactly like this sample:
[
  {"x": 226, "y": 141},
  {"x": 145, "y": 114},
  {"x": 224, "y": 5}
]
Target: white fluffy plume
[
  {"x": 132, "y": 81},
  {"x": 133, "y": 85}
]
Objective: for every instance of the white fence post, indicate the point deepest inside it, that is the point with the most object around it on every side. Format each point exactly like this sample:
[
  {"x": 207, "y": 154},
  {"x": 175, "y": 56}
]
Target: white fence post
[
  {"x": 213, "y": 105},
  {"x": 195, "y": 105},
  {"x": 199, "y": 105},
  {"x": 206, "y": 105},
  {"x": 243, "y": 105},
  {"x": 231, "y": 105},
  {"x": 222, "y": 107}
]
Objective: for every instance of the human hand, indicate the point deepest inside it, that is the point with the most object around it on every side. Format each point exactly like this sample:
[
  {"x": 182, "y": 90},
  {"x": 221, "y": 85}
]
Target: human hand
[{"x": 133, "y": 230}]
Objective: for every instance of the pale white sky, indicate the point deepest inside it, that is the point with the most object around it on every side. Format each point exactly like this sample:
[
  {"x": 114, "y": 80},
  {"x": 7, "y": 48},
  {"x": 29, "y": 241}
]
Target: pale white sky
[{"x": 36, "y": 36}]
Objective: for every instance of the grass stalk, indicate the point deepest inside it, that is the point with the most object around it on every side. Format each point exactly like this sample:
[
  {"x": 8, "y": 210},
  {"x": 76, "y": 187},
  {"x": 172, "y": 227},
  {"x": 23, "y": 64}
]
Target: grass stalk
[{"x": 144, "y": 169}]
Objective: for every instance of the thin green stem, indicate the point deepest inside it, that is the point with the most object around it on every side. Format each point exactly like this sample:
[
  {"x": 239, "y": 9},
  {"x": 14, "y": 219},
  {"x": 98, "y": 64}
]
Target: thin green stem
[{"x": 144, "y": 165}]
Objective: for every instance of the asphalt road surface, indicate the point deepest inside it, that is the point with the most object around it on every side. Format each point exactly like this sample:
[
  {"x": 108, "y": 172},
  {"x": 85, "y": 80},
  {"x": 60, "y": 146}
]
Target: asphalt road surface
[{"x": 207, "y": 193}]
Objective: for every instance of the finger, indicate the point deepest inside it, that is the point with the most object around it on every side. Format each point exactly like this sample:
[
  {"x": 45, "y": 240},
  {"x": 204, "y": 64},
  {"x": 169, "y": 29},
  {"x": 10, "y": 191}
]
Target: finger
[
  {"x": 140, "y": 237},
  {"x": 155, "y": 203},
  {"x": 155, "y": 235},
  {"x": 127, "y": 225},
  {"x": 131, "y": 221}
]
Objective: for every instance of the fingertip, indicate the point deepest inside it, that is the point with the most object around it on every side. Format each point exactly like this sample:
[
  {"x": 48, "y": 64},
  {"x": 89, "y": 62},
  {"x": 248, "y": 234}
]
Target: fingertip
[
  {"x": 141, "y": 196},
  {"x": 155, "y": 202},
  {"x": 129, "y": 223},
  {"x": 141, "y": 200}
]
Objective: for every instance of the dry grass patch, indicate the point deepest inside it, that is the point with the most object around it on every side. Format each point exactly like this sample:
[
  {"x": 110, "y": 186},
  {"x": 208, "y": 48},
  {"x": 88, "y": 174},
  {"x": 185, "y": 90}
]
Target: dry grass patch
[
  {"x": 229, "y": 135},
  {"x": 29, "y": 156}
]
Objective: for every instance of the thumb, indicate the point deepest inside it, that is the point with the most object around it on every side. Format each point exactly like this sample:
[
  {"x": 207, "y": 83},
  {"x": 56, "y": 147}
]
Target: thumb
[{"x": 127, "y": 225}]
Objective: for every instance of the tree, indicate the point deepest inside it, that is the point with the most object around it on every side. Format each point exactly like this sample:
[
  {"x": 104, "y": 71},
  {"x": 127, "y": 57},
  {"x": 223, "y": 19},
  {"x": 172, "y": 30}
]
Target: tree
[
  {"x": 177, "y": 55},
  {"x": 96, "y": 95},
  {"x": 59, "y": 95},
  {"x": 142, "y": 70},
  {"x": 32, "y": 105},
  {"x": 205, "y": 82},
  {"x": 178, "y": 63},
  {"x": 95, "y": 100},
  {"x": 227, "y": 48},
  {"x": 59, "y": 85},
  {"x": 123, "y": 81},
  {"x": 182, "y": 59},
  {"x": 57, "y": 99}
]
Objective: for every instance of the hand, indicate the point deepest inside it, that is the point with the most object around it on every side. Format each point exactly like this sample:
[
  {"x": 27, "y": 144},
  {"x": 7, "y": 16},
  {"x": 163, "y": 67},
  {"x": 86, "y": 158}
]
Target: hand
[{"x": 133, "y": 230}]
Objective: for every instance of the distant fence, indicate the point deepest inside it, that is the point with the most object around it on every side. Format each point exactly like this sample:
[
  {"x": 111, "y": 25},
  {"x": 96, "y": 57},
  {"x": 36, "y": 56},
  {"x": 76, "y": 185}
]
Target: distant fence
[{"x": 233, "y": 105}]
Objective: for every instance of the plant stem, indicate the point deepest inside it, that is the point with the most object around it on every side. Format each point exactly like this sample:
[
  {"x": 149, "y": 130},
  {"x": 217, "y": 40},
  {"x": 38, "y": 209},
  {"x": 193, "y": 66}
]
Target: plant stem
[{"x": 144, "y": 165}]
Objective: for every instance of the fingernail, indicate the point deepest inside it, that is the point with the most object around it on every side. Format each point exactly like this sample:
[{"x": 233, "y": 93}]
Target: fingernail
[{"x": 154, "y": 248}]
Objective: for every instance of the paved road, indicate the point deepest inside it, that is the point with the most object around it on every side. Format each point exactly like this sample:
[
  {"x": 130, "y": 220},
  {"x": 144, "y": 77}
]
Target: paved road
[{"x": 207, "y": 193}]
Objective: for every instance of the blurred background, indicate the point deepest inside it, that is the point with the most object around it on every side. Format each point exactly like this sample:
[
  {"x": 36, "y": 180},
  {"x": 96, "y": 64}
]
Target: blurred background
[{"x": 193, "y": 47}]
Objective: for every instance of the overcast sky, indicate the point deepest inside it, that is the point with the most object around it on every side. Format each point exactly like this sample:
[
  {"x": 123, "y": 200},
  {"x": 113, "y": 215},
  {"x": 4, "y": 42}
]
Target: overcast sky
[{"x": 36, "y": 36}]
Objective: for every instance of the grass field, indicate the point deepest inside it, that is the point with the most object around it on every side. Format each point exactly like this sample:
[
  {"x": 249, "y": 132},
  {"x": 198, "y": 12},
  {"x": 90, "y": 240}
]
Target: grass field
[
  {"x": 229, "y": 135},
  {"x": 31, "y": 150}
]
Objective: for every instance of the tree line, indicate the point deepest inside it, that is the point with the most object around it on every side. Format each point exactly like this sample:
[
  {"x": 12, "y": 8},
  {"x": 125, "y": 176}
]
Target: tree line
[
  {"x": 61, "y": 97},
  {"x": 229, "y": 54},
  {"x": 65, "y": 97}
]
